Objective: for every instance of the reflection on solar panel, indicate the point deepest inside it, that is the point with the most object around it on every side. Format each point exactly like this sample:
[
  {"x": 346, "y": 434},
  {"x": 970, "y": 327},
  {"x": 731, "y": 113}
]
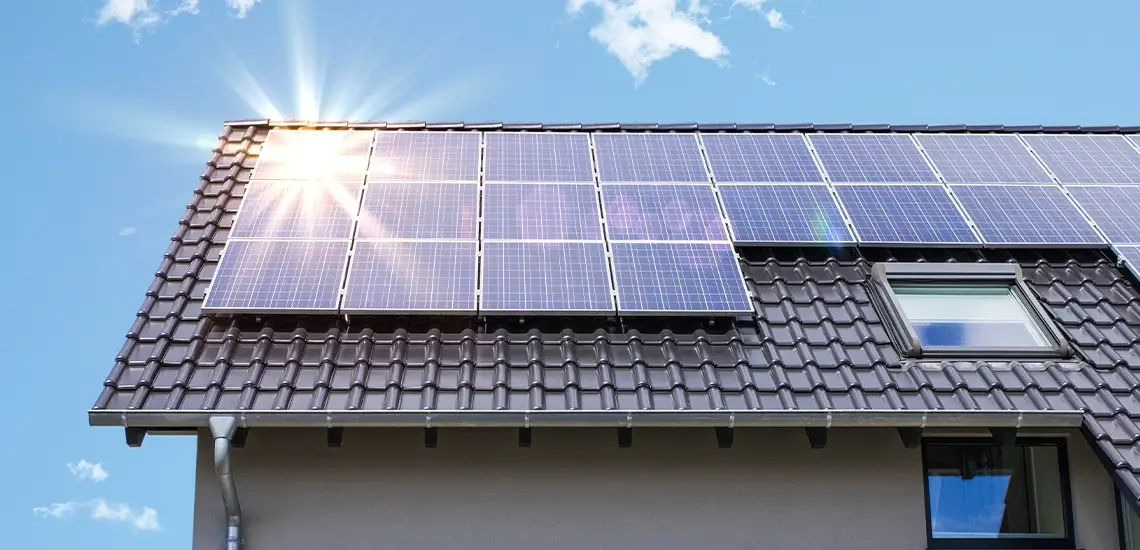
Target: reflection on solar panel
[
  {"x": 1131, "y": 257},
  {"x": 1088, "y": 158},
  {"x": 783, "y": 213},
  {"x": 314, "y": 155},
  {"x": 1116, "y": 210},
  {"x": 678, "y": 278},
  {"x": 419, "y": 211},
  {"x": 278, "y": 209},
  {"x": 538, "y": 156},
  {"x": 1025, "y": 214},
  {"x": 871, "y": 158},
  {"x": 662, "y": 213},
  {"x": 303, "y": 276},
  {"x": 541, "y": 211},
  {"x": 760, "y": 158},
  {"x": 901, "y": 214},
  {"x": 425, "y": 156},
  {"x": 412, "y": 276},
  {"x": 982, "y": 158},
  {"x": 570, "y": 277},
  {"x": 649, "y": 158}
]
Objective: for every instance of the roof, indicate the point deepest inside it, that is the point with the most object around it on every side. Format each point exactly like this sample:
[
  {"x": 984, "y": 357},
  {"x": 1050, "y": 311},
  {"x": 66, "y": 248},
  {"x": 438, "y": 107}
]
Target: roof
[{"x": 816, "y": 354}]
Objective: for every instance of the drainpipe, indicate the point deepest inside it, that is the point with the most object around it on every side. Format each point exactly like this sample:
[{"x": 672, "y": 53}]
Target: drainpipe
[{"x": 223, "y": 429}]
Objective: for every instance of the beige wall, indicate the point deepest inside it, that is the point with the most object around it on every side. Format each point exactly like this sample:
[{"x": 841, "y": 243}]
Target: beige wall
[{"x": 576, "y": 489}]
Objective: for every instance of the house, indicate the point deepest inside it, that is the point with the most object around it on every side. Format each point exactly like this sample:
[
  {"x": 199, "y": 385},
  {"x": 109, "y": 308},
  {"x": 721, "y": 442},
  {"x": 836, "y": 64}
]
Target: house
[{"x": 941, "y": 362}]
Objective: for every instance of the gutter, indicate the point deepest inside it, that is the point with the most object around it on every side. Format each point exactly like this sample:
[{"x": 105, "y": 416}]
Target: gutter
[{"x": 223, "y": 429}]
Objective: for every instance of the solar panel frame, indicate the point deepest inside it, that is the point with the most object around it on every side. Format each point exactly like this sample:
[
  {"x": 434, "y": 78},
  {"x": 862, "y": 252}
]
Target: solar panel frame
[
  {"x": 415, "y": 156},
  {"x": 233, "y": 292},
  {"x": 585, "y": 290},
  {"x": 575, "y": 164},
  {"x": 1026, "y": 215},
  {"x": 439, "y": 210},
  {"x": 662, "y": 212},
  {"x": 739, "y": 200},
  {"x": 1087, "y": 159},
  {"x": 279, "y": 161},
  {"x": 575, "y": 215},
  {"x": 982, "y": 158},
  {"x": 261, "y": 202},
  {"x": 864, "y": 158},
  {"x": 904, "y": 214},
  {"x": 1115, "y": 209},
  {"x": 636, "y": 264},
  {"x": 649, "y": 158},
  {"x": 1129, "y": 255},
  {"x": 760, "y": 158},
  {"x": 379, "y": 293}
]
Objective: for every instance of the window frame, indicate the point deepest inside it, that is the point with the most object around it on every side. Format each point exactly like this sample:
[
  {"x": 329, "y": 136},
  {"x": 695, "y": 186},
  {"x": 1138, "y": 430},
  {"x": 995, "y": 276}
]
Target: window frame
[
  {"x": 901, "y": 329},
  {"x": 1068, "y": 542}
]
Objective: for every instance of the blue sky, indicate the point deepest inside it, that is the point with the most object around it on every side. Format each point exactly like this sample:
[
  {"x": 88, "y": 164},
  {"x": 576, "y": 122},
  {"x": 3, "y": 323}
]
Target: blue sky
[{"x": 112, "y": 105}]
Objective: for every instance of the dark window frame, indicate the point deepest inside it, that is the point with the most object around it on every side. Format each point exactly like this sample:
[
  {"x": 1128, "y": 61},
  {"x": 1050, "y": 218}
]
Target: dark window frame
[
  {"x": 902, "y": 332},
  {"x": 1068, "y": 542}
]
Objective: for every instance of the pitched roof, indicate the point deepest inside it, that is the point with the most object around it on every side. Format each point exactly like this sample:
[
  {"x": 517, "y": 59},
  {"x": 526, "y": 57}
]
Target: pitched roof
[{"x": 816, "y": 353}]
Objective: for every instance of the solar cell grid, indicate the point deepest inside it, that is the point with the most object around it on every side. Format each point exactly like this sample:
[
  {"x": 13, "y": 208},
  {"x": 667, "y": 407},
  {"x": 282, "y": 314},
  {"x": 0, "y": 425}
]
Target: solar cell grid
[
  {"x": 412, "y": 276},
  {"x": 277, "y": 209},
  {"x": 1088, "y": 159},
  {"x": 1115, "y": 209},
  {"x": 871, "y": 158},
  {"x": 783, "y": 213},
  {"x": 314, "y": 155},
  {"x": 649, "y": 158},
  {"x": 392, "y": 210},
  {"x": 662, "y": 212},
  {"x": 904, "y": 214},
  {"x": 678, "y": 278},
  {"x": 541, "y": 211},
  {"x": 1025, "y": 214},
  {"x": 537, "y": 157},
  {"x": 760, "y": 158},
  {"x": 303, "y": 276},
  {"x": 968, "y": 158},
  {"x": 425, "y": 156},
  {"x": 525, "y": 277}
]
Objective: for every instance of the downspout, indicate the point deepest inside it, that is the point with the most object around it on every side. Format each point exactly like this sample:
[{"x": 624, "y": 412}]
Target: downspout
[{"x": 223, "y": 429}]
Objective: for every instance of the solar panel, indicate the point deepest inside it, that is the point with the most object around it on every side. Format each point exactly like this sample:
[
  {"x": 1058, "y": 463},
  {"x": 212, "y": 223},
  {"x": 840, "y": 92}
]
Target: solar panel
[
  {"x": 1025, "y": 214},
  {"x": 280, "y": 209},
  {"x": 662, "y": 213},
  {"x": 871, "y": 158},
  {"x": 425, "y": 156},
  {"x": 783, "y": 213},
  {"x": 649, "y": 158},
  {"x": 548, "y": 211},
  {"x": 314, "y": 155},
  {"x": 981, "y": 158},
  {"x": 1130, "y": 254},
  {"x": 569, "y": 277},
  {"x": 900, "y": 214},
  {"x": 679, "y": 278},
  {"x": 1116, "y": 210},
  {"x": 412, "y": 276},
  {"x": 1088, "y": 158},
  {"x": 757, "y": 158},
  {"x": 419, "y": 211},
  {"x": 271, "y": 275},
  {"x": 538, "y": 157}
]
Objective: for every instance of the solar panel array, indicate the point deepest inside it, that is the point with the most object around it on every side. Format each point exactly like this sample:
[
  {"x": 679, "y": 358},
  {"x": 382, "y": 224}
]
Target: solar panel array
[{"x": 635, "y": 223}]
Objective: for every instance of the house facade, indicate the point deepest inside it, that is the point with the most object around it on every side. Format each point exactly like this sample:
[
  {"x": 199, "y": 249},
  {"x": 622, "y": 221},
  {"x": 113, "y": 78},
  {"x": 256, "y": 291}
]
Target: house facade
[{"x": 907, "y": 391}]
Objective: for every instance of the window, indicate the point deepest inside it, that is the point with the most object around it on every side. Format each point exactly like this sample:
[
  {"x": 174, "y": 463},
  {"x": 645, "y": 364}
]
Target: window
[
  {"x": 980, "y": 494},
  {"x": 964, "y": 310}
]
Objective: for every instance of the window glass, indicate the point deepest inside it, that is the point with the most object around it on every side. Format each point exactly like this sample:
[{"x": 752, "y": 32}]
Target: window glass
[
  {"x": 968, "y": 316},
  {"x": 982, "y": 491}
]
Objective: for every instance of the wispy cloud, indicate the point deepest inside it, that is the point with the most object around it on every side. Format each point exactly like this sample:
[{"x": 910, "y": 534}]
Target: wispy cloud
[
  {"x": 143, "y": 518},
  {"x": 772, "y": 15},
  {"x": 127, "y": 231},
  {"x": 83, "y": 470},
  {"x": 241, "y": 7},
  {"x": 143, "y": 15}
]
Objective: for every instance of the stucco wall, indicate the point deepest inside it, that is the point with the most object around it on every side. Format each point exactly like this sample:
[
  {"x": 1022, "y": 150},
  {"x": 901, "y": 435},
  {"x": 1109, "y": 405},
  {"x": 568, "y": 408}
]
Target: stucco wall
[{"x": 576, "y": 489}]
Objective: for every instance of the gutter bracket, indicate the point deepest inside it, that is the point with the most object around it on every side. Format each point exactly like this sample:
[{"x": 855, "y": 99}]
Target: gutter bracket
[{"x": 223, "y": 428}]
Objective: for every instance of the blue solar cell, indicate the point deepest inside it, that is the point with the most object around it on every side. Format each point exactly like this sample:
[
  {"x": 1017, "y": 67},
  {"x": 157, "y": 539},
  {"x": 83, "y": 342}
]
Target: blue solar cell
[
  {"x": 1116, "y": 210},
  {"x": 1025, "y": 214},
  {"x": 314, "y": 155},
  {"x": 782, "y": 213},
  {"x": 904, "y": 214},
  {"x": 871, "y": 158},
  {"x": 760, "y": 158},
  {"x": 649, "y": 158},
  {"x": 532, "y": 211},
  {"x": 662, "y": 213},
  {"x": 538, "y": 157},
  {"x": 425, "y": 156},
  {"x": 980, "y": 158},
  {"x": 1088, "y": 158},
  {"x": 274, "y": 275},
  {"x": 678, "y": 278},
  {"x": 570, "y": 277},
  {"x": 419, "y": 211},
  {"x": 279, "y": 209},
  {"x": 412, "y": 276}
]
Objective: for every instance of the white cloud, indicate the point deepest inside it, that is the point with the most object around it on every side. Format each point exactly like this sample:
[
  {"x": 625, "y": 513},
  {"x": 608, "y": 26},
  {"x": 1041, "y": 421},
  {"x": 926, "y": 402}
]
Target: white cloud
[
  {"x": 142, "y": 15},
  {"x": 642, "y": 32},
  {"x": 241, "y": 7},
  {"x": 84, "y": 470},
  {"x": 144, "y": 518},
  {"x": 127, "y": 231},
  {"x": 774, "y": 17}
]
